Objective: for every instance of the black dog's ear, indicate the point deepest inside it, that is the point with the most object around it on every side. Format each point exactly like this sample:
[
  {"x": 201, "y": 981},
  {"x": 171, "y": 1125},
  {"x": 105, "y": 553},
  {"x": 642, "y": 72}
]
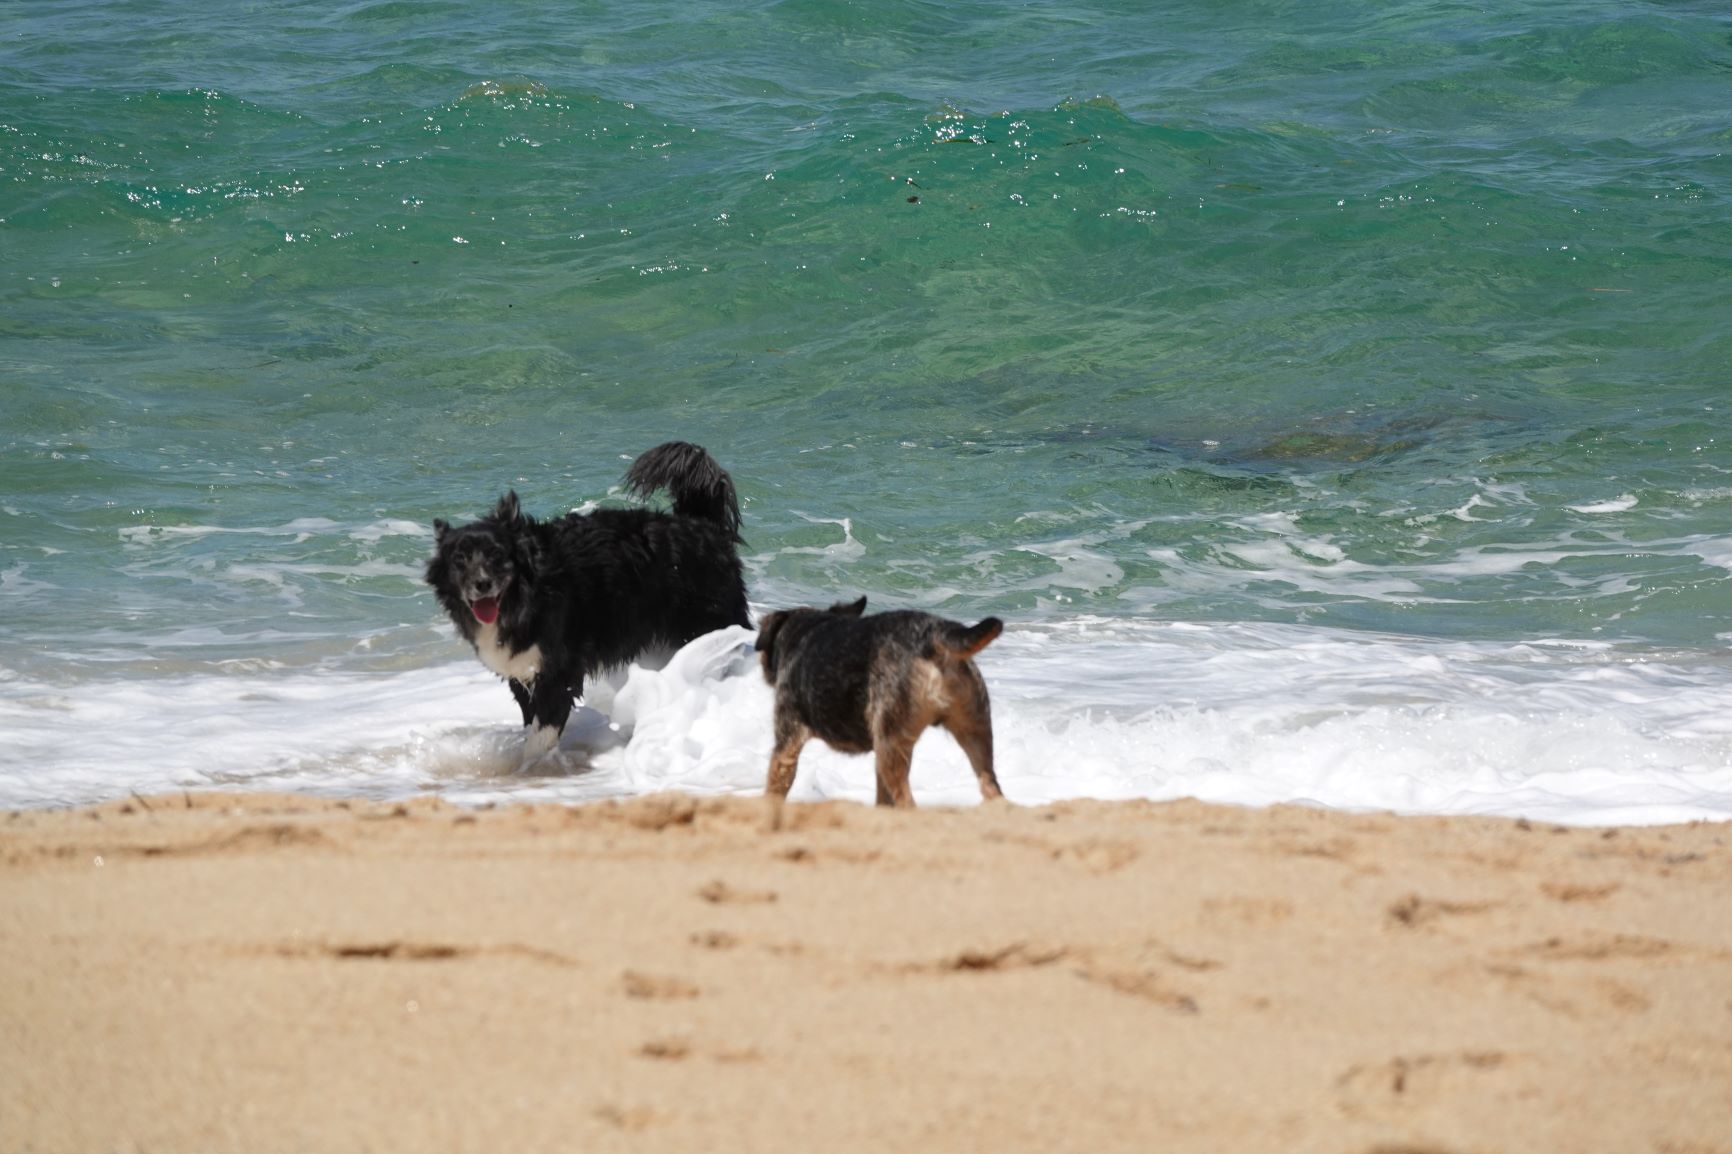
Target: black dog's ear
[
  {"x": 849, "y": 608},
  {"x": 768, "y": 627},
  {"x": 508, "y": 509},
  {"x": 440, "y": 528}
]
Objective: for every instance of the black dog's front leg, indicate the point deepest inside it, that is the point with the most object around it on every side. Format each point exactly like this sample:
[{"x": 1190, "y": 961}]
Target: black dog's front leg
[
  {"x": 550, "y": 701},
  {"x": 521, "y": 693}
]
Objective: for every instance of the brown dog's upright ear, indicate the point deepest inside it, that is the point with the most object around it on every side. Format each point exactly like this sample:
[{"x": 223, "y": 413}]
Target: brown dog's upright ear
[
  {"x": 440, "y": 528},
  {"x": 768, "y": 626},
  {"x": 849, "y": 608},
  {"x": 508, "y": 510}
]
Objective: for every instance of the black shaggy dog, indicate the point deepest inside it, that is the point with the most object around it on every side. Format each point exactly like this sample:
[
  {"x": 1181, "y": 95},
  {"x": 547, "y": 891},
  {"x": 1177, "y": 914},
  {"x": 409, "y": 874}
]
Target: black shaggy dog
[
  {"x": 548, "y": 603},
  {"x": 875, "y": 684}
]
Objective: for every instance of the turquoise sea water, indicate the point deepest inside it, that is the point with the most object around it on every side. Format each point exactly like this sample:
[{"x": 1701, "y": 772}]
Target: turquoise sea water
[{"x": 1400, "y": 332}]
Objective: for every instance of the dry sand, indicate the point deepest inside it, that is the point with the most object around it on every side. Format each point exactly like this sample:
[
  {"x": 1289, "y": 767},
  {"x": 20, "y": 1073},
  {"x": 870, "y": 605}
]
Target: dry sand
[{"x": 264, "y": 973}]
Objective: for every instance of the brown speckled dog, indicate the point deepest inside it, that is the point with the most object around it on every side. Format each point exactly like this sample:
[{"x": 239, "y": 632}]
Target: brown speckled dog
[{"x": 875, "y": 684}]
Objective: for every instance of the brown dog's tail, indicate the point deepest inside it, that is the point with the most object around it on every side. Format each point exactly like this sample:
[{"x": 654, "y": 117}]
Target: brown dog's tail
[{"x": 964, "y": 641}]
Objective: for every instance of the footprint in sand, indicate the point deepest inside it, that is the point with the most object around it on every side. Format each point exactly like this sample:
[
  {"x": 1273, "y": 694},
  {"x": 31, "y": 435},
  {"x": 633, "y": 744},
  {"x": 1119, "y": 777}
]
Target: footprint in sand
[
  {"x": 1145, "y": 985},
  {"x": 721, "y": 893},
  {"x": 396, "y": 950},
  {"x": 679, "y": 1049},
  {"x": 1567, "y": 892},
  {"x": 1600, "y": 947},
  {"x": 656, "y": 987},
  {"x": 1572, "y": 996},
  {"x": 1245, "y": 911},
  {"x": 1413, "y": 910},
  {"x": 631, "y": 1119},
  {"x": 1017, "y": 955},
  {"x": 1387, "y": 1090}
]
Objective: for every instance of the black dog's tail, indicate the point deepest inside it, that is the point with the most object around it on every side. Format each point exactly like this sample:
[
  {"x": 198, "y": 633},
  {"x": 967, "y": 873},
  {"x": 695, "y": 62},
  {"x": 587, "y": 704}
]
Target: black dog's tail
[
  {"x": 698, "y": 485},
  {"x": 964, "y": 641}
]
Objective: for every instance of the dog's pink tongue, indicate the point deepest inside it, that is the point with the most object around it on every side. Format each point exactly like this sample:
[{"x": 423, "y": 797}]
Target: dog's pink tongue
[{"x": 486, "y": 609}]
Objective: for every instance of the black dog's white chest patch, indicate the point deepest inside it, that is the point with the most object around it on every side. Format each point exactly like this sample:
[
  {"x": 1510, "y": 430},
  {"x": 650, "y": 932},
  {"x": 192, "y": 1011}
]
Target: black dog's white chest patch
[{"x": 497, "y": 656}]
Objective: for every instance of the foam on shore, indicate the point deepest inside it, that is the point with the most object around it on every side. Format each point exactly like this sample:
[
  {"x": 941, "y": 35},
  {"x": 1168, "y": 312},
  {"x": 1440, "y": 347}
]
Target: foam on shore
[{"x": 1238, "y": 713}]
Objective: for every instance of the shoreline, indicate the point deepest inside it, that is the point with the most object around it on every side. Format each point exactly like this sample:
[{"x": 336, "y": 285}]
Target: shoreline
[{"x": 286, "y": 972}]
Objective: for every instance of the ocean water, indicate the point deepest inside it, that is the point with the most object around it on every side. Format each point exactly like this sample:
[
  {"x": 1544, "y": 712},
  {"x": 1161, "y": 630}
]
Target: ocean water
[{"x": 1330, "y": 397}]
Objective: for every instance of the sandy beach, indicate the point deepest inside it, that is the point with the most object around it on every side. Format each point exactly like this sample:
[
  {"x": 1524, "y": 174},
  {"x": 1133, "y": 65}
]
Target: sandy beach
[{"x": 279, "y": 973}]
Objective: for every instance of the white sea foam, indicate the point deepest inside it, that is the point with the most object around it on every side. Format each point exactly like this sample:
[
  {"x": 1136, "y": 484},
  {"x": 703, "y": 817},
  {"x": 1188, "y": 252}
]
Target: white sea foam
[
  {"x": 1239, "y": 713},
  {"x": 1279, "y": 555},
  {"x": 1622, "y": 504},
  {"x": 300, "y": 529}
]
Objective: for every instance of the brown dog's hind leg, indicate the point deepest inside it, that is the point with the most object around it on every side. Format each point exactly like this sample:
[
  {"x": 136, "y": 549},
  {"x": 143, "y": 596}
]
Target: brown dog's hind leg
[
  {"x": 791, "y": 736},
  {"x": 969, "y": 721},
  {"x": 784, "y": 761},
  {"x": 895, "y": 754},
  {"x": 976, "y": 742}
]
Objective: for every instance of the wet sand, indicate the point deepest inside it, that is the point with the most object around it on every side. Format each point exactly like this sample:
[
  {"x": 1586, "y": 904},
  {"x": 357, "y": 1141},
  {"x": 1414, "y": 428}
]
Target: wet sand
[{"x": 278, "y": 973}]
